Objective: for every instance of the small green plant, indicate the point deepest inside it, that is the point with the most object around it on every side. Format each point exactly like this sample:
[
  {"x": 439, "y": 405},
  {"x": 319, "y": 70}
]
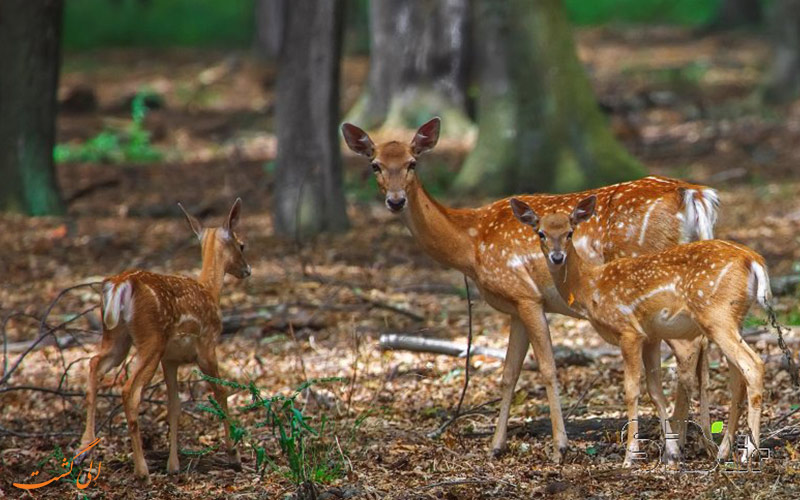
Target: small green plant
[
  {"x": 309, "y": 445},
  {"x": 131, "y": 145}
]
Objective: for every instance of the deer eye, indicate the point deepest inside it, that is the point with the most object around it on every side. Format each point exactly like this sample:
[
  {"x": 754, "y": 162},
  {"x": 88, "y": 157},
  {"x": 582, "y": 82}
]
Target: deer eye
[
  {"x": 412, "y": 164},
  {"x": 376, "y": 167},
  {"x": 569, "y": 235},
  {"x": 541, "y": 234},
  {"x": 241, "y": 247}
]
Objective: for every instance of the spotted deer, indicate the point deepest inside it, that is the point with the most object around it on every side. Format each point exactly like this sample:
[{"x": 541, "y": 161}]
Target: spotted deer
[
  {"x": 700, "y": 289},
  {"x": 633, "y": 218},
  {"x": 173, "y": 320}
]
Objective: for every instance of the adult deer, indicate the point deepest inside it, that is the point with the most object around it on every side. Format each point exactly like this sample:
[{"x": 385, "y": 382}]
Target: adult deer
[
  {"x": 634, "y": 218},
  {"x": 704, "y": 288},
  {"x": 173, "y": 320}
]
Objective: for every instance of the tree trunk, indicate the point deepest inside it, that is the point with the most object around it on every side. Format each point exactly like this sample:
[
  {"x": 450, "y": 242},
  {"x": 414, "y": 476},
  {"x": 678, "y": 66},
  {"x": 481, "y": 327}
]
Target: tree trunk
[
  {"x": 539, "y": 125},
  {"x": 418, "y": 65},
  {"x": 736, "y": 14},
  {"x": 30, "y": 39},
  {"x": 783, "y": 82},
  {"x": 308, "y": 187},
  {"x": 269, "y": 16}
]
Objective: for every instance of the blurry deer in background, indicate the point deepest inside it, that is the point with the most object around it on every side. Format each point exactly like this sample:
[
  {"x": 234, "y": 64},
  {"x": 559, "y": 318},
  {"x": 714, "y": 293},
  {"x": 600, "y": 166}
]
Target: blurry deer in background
[
  {"x": 487, "y": 244},
  {"x": 699, "y": 289},
  {"x": 172, "y": 320}
]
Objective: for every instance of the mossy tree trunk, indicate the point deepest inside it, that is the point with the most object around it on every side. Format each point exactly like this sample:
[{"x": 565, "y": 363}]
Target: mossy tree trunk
[
  {"x": 418, "y": 65},
  {"x": 783, "y": 81},
  {"x": 539, "y": 125},
  {"x": 30, "y": 39},
  {"x": 309, "y": 196}
]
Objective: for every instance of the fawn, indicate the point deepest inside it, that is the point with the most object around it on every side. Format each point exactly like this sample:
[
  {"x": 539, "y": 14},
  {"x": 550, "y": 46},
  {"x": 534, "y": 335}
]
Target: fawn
[
  {"x": 703, "y": 288},
  {"x": 634, "y": 218},
  {"x": 173, "y": 320}
]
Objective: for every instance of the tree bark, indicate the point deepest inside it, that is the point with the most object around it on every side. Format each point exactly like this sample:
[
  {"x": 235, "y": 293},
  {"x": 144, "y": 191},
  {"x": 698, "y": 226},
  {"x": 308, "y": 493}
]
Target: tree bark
[
  {"x": 30, "y": 39},
  {"x": 308, "y": 187},
  {"x": 783, "y": 82},
  {"x": 736, "y": 14},
  {"x": 539, "y": 125},
  {"x": 418, "y": 65}
]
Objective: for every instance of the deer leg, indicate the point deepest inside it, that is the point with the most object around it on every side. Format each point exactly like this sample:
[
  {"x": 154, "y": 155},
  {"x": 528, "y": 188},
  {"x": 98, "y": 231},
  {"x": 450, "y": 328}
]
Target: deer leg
[
  {"x": 207, "y": 360},
  {"x": 113, "y": 349},
  {"x": 173, "y": 413},
  {"x": 515, "y": 356},
  {"x": 146, "y": 365},
  {"x": 689, "y": 356},
  {"x": 652, "y": 375},
  {"x": 751, "y": 367},
  {"x": 631, "y": 346},
  {"x": 737, "y": 387},
  {"x": 705, "y": 414},
  {"x": 532, "y": 315}
]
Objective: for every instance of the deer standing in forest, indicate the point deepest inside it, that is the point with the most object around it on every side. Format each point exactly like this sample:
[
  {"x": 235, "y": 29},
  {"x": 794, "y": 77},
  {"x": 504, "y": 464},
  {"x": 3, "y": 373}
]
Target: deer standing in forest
[
  {"x": 633, "y": 218},
  {"x": 700, "y": 289},
  {"x": 173, "y": 320}
]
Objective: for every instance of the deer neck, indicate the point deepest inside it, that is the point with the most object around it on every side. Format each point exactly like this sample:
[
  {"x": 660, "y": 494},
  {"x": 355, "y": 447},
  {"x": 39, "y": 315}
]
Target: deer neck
[
  {"x": 212, "y": 274},
  {"x": 575, "y": 280},
  {"x": 442, "y": 232}
]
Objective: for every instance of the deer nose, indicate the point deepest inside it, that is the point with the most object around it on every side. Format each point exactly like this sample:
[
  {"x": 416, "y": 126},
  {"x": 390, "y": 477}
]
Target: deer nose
[
  {"x": 248, "y": 271},
  {"x": 395, "y": 205},
  {"x": 557, "y": 258}
]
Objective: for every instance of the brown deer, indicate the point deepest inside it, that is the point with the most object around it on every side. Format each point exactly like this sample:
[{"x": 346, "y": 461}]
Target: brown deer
[
  {"x": 173, "y": 320},
  {"x": 634, "y": 218},
  {"x": 700, "y": 289}
]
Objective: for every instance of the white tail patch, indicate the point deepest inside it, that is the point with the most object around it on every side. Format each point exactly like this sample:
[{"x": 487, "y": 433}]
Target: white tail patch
[
  {"x": 758, "y": 275},
  {"x": 117, "y": 303},
  {"x": 699, "y": 213}
]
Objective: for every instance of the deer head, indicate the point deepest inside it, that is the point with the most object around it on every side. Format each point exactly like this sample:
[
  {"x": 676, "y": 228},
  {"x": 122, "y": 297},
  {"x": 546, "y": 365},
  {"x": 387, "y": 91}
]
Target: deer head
[
  {"x": 223, "y": 241},
  {"x": 393, "y": 162},
  {"x": 555, "y": 230}
]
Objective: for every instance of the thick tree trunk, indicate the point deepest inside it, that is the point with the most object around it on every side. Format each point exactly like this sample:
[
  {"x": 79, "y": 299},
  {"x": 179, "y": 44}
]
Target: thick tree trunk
[
  {"x": 783, "y": 82},
  {"x": 539, "y": 126},
  {"x": 418, "y": 65},
  {"x": 30, "y": 38},
  {"x": 308, "y": 187}
]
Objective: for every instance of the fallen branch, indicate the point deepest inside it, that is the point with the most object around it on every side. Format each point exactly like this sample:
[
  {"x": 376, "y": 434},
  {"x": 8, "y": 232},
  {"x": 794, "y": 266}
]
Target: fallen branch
[
  {"x": 564, "y": 356},
  {"x": 398, "y": 342}
]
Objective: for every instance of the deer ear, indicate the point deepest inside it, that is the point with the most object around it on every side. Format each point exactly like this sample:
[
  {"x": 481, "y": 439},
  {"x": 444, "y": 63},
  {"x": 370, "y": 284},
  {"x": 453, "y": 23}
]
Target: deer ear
[
  {"x": 426, "y": 137},
  {"x": 233, "y": 218},
  {"x": 196, "y": 225},
  {"x": 524, "y": 213},
  {"x": 358, "y": 140},
  {"x": 583, "y": 211}
]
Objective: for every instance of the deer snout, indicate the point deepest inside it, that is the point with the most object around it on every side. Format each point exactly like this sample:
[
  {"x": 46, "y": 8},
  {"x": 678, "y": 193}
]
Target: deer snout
[
  {"x": 247, "y": 271},
  {"x": 558, "y": 257},
  {"x": 396, "y": 200}
]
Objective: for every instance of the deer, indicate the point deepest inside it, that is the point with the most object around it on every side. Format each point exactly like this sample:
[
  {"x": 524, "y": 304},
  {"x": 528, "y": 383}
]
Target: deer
[
  {"x": 172, "y": 320},
  {"x": 633, "y": 218},
  {"x": 694, "y": 290}
]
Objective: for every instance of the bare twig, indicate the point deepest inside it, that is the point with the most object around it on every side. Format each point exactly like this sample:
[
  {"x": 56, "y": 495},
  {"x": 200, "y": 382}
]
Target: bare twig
[
  {"x": 43, "y": 333},
  {"x": 438, "y": 432}
]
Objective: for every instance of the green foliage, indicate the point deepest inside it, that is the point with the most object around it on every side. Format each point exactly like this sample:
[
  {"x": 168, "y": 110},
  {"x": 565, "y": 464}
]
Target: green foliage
[
  {"x": 129, "y": 146},
  {"x": 310, "y": 447},
  {"x": 160, "y": 23},
  {"x": 686, "y": 12}
]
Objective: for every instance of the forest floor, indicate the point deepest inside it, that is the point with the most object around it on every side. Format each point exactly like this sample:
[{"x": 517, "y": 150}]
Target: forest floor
[{"x": 682, "y": 104}]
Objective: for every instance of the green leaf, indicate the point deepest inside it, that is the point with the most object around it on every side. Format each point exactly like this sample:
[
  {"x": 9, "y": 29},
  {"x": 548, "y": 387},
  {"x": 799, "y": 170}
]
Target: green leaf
[
  {"x": 591, "y": 451},
  {"x": 716, "y": 427}
]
